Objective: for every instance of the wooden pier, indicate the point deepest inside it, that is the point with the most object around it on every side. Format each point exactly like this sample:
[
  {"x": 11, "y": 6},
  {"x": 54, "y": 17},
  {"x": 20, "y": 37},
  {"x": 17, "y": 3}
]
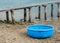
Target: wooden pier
[{"x": 11, "y": 9}]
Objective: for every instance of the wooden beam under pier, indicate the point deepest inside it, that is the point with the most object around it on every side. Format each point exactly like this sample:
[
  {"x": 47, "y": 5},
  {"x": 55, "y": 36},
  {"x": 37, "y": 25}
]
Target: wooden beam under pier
[
  {"x": 45, "y": 12},
  {"x": 29, "y": 15},
  {"x": 58, "y": 10},
  {"x": 39, "y": 12},
  {"x": 7, "y": 16},
  {"x": 51, "y": 11},
  {"x": 12, "y": 16},
  {"x": 25, "y": 15}
]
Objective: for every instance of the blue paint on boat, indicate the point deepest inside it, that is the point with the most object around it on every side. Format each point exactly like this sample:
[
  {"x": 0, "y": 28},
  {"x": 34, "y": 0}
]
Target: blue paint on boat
[{"x": 40, "y": 31}]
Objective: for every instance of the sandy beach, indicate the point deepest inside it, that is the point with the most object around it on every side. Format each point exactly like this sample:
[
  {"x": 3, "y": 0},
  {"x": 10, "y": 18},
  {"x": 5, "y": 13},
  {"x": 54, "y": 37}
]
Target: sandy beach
[{"x": 16, "y": 33}]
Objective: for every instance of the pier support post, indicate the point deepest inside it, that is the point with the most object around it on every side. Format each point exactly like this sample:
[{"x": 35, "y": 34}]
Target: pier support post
[
  {"x": 29, "y": 15},
  {"x": 58, "y": 11},
  {"x": 7, "y": 16},
  {"x": 52, "y": 11},
  {"x": 39, "y": 12},
  {"x": 44, "y": 12},
  {"x": 25, "y": 15},
  {"x": 12, "y": 16}
]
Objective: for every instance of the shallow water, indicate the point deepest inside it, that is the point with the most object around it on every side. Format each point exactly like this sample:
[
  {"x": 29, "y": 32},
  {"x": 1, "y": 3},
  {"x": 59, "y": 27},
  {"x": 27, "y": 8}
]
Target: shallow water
[{"x": 19, "y": 13}]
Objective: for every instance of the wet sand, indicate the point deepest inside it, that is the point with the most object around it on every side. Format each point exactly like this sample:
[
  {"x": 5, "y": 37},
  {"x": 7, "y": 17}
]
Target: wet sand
[{"x": 16, "y": 33}]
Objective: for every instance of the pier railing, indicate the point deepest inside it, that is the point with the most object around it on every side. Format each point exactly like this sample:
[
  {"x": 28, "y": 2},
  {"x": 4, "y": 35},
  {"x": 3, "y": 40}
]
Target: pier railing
[{"x": 29, "y": 7}]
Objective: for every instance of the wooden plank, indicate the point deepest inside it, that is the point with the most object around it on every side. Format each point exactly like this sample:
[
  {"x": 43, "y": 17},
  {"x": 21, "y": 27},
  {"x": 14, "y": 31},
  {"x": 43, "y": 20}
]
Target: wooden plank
[
  {"x": 39, "y": 12},
  {"x": 7, "y": 16},
  {"x": 29, "y": 15},
  {"x": 25, "y": 15},
  {"x": 12, "y": 16}
]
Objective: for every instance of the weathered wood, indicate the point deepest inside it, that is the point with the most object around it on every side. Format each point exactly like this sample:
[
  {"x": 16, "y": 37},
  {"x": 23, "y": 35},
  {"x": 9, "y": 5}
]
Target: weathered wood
[
  {"x": 12, "y": 16},
  {"x": 29, "y": 6},
  {"x": 45, "y": 13},
  {"x": 39, "y": 12},
  {"x": 7, "y": 16},
  {"x": 25, "y": 15},
  {"x": 58, "y": 10},
  {"x": 51, "y": 10},
  {"x": 29, "y": 15}
]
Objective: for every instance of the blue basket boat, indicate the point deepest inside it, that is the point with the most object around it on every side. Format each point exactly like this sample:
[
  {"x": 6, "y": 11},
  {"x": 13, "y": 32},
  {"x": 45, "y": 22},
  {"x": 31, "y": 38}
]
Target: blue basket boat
[{"x": 40, "y": 31}]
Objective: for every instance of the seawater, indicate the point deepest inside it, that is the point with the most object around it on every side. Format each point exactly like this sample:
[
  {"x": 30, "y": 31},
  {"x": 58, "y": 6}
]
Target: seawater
[{"x": 18, "y": 14}]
